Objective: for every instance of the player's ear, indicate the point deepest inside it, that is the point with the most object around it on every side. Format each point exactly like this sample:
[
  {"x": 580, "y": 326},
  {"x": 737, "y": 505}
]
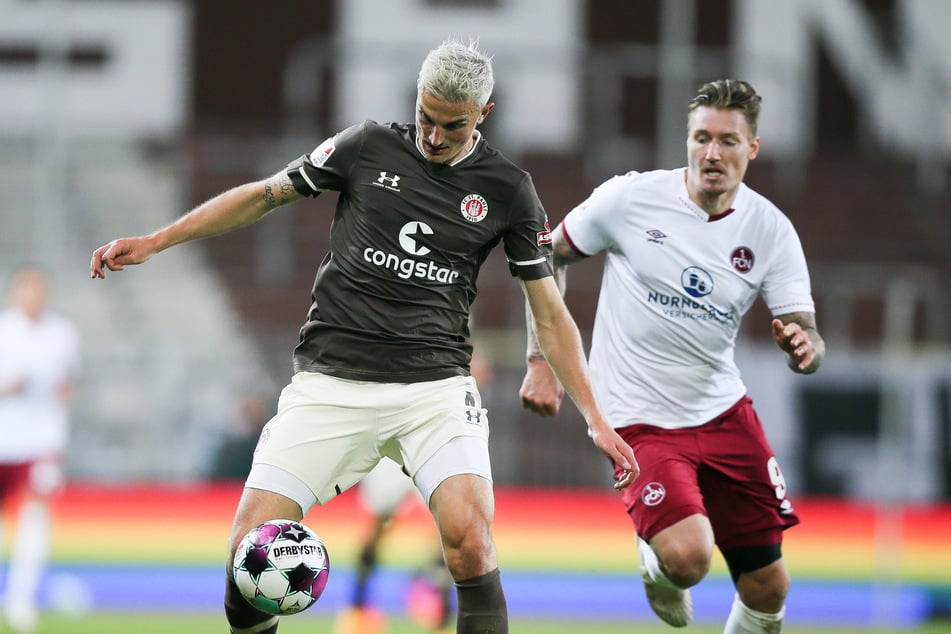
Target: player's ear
[
  {"x": 754, "y": 148},
  {"x": 486, "y": 109}
]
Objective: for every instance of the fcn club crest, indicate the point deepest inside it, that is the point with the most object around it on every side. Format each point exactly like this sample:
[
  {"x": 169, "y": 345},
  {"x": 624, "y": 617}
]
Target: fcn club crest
[
  {"x": 742, "y": 259},
  {"x": 653, "y": 493}
]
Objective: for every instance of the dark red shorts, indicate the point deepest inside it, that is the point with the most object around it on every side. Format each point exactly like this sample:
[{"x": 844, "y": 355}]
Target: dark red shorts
[
  {"x": 724, "y": 469},
  {"x": 13, "y": 479}
]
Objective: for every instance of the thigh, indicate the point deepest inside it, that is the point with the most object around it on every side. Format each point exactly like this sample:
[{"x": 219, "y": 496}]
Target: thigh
[
  {"x": 46, "y": 476},
  {"x": 464, "y": 507},
  {"x": 667, "y": 489},
  {"x": 257, "y": 506},
  {"x": 742, "y": 483},
  {"x": 462, "y": 455}
]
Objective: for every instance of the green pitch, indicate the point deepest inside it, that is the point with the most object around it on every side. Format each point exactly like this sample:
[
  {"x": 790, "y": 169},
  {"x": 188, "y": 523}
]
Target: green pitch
[{"x": 201, "y": 623}]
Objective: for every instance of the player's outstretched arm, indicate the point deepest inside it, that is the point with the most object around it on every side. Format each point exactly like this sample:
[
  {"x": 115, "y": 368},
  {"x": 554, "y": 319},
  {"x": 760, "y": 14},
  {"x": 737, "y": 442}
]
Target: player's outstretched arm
[
  {"x": 559, "y": 339},
  {"x": 541, "y": 392},
  {"x": 225, "y": 212},
  {"x": 796, "y": 334}
]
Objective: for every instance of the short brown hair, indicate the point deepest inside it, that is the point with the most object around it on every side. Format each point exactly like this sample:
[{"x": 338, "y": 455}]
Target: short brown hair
[{"x": 729, "y": 94}]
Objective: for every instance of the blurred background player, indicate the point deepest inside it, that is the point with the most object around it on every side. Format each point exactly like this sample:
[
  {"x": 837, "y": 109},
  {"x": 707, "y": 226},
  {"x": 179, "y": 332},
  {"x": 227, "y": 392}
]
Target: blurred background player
[
  {"x": 386, "y": 493},
  {"x": 689, "y": 251},
  {"x": 39, "y": 366}
]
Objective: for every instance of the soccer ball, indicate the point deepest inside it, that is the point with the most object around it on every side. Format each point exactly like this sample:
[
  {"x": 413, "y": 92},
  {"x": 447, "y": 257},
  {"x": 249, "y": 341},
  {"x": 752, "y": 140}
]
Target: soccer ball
[{"x": 281, "y": 567}]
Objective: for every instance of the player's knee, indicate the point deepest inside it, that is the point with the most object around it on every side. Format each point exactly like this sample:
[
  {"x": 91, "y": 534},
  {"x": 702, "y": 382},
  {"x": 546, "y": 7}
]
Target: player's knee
[
  {"x": 684, "y": 563},
  {"x": 468, "y": 551}
]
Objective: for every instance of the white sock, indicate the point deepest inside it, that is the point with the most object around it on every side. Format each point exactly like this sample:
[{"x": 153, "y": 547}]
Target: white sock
[
  {"x": 743, "y": 620},
  {"x": 651, "y": 564},
  {"x": 28, "y": 554}
]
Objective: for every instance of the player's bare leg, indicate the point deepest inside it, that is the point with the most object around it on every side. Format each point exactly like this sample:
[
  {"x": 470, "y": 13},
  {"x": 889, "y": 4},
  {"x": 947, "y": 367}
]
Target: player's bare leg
[
  {"x": 255, "y": 507},
  {"x": 759, "y": 605},
  {"x": 464, "y": 508},
  {"x": 677, "y": 558}
]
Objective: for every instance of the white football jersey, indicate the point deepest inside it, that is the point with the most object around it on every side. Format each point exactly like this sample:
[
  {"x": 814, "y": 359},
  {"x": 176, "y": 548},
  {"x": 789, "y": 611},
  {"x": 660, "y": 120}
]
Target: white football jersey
[
  {"x": 676, "y": 285},
  {"x": 42, "y": 355}
]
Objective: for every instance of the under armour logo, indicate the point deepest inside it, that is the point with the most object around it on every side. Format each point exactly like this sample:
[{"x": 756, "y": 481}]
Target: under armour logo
[
  {"x": 473, "y": 414},
  {"x": 389, "y": 181}
]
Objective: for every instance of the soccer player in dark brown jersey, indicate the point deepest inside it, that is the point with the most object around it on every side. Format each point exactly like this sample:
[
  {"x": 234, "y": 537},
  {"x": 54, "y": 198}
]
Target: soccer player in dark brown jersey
[{"x": 382, "y": 368}]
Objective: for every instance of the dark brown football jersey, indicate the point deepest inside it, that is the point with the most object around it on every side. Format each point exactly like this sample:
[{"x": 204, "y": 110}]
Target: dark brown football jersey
[{"x": 392, "y": 296}]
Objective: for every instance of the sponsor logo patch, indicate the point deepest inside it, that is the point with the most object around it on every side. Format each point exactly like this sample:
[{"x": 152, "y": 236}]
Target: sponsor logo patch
[
  {"x": 544, "y": 237},
  {"x": 320, "y": 155}
]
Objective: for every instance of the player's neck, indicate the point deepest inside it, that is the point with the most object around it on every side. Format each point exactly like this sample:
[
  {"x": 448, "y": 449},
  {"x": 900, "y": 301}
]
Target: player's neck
[{"x": 714, "y": 204}]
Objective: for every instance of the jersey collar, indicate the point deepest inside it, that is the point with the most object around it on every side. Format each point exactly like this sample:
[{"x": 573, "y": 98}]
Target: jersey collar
[{"x": 477, "y": 136}]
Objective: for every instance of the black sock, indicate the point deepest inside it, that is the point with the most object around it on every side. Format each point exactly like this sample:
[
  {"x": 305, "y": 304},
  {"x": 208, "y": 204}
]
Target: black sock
[
  {"x": 243, "y": 617},
  {"x": 482, "y": 608}
]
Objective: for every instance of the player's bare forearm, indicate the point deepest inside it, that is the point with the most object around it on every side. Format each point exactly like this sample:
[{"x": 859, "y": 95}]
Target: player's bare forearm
[
  {"x": 559, "y": 341},
  {"x": 233, "y": 209},
  {"x": 541, "y": 391},
  {"x": 563, "y": 348},
  {"x": 225, "y": 212},
  {"x": 797, "y": 335},
  {"x": 562, "y": 256}
]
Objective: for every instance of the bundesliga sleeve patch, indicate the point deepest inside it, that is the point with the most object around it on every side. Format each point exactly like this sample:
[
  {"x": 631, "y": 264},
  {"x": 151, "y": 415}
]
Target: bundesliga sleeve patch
[
  {"x": 319, "y": 156},
  {"x": 544, "y": 237}
]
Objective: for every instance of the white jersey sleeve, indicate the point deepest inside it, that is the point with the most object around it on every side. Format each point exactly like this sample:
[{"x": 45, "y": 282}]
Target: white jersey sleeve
[
  {"x": 786, "y": 288},
  {"x": 590, "y": 226}
]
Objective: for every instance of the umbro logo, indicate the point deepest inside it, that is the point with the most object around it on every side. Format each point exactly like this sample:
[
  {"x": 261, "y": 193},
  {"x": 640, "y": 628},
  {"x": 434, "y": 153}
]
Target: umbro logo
[
  {"x": 388, "y": 181},
  {"x": 656, "y": 236}
]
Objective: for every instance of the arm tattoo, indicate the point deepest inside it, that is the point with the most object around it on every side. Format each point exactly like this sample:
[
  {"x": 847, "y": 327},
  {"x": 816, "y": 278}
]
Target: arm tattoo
[
  {"x": 562, "y": 252},
  {"x": 807, "y": 321},
  {"x": 287, "y": 187},
  {"x": 269, "y": 196},
  {"x": 279, "y": 190}
]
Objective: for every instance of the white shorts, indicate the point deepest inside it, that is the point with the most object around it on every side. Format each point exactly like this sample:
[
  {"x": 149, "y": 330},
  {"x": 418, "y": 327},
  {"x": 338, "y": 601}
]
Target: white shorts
[{"x": 328, "y": 433}]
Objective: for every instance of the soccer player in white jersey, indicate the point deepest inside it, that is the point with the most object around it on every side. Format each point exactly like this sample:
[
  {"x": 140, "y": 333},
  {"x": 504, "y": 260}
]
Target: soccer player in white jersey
[
  {"x": 39, "y": 364},
  {"x": 688, "y": 251},
  {"x": 383, "y": 363}
]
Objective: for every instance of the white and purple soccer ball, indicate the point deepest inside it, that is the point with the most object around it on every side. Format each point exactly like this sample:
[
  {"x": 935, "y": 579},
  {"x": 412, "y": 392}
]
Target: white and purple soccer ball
[{"x": 281, "y": 567}]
